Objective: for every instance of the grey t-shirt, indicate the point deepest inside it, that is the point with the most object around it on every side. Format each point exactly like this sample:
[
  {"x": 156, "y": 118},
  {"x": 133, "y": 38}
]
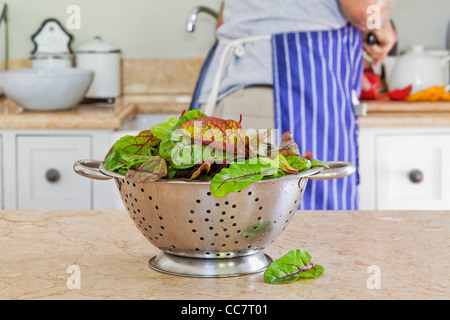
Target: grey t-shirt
[{"x": 247, "y": 18}]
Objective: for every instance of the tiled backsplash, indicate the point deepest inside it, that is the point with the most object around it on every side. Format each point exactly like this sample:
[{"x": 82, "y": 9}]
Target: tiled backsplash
[{"x": 150, "y": 76}]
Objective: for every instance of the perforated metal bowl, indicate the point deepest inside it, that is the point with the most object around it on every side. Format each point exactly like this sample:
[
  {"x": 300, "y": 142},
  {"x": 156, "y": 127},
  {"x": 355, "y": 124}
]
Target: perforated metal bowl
[{"x": 205, "y": 236}]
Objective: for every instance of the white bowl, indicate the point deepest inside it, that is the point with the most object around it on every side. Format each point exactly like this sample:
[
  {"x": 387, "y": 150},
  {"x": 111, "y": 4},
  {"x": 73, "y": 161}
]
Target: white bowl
[{"x": 47, "y": 89}]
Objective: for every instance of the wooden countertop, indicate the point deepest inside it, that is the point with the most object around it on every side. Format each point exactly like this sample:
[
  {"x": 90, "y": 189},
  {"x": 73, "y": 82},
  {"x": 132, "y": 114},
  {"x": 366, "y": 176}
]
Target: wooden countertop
[
  {"x": 40, "y": 250},
  {"x": 379, "y": 113}
]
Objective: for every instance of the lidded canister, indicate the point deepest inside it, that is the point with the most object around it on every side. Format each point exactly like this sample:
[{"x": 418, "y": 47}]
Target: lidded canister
[{"x": 104, "y": 59}]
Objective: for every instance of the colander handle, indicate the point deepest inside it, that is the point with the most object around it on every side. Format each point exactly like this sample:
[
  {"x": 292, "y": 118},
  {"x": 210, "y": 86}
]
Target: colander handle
[
  {"x": 89, "y": 169},
  {"x": 338, "y": 169}
]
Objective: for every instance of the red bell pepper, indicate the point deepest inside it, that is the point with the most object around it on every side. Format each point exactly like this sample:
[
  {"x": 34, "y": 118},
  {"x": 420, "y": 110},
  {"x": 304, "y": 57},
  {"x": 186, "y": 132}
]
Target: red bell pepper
[
  {"x": 370, "y": 85},
  {"x": 400, "y": 94}
]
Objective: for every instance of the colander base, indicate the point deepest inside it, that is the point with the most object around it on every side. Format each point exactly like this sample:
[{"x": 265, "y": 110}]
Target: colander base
[{"x": 210, "y": 268}]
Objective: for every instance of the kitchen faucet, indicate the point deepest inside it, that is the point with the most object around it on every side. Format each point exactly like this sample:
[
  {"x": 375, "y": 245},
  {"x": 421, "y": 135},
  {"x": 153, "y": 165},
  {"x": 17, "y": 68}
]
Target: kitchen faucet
[{"x": 192, "y": 18}]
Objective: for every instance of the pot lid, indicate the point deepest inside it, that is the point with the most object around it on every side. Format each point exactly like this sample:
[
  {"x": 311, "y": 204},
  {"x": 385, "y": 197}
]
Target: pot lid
[
  {"x": 51, "y": 38},
  {"x": 97, "y": 46}
]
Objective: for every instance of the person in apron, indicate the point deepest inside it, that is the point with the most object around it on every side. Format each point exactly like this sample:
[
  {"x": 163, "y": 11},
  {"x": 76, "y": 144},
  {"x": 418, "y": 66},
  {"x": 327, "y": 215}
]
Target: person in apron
[{"x": 293, "y": 66}]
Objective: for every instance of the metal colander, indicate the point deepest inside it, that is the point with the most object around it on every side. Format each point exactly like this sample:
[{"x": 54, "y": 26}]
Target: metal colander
[{"x": 205, "y": 236}]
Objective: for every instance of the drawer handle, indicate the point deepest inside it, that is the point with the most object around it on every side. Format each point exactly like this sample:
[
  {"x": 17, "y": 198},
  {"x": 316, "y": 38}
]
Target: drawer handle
[
  {"x": 416, "y": 176},
  {"x": 52, "y": 175}
]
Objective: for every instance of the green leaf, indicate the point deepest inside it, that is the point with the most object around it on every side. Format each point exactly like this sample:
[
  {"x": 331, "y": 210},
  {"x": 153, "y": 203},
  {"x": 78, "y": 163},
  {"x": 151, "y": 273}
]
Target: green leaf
[
  {"x": 124, "y": 150},
  {"x": 288, "y": 144},
  {"x": 292, "y": 266},
  {"x": 226, "y": 135},
  {"x": 154, "y": 168},
  {"x": 284, "y": 165},
  {"x": 176, "y": 148},
  {"x": 299, "y": 163},
  {"x": 318, "y": 163},
  {"x": 239, "y": 175},
  {"x": 159, "y": 130}
]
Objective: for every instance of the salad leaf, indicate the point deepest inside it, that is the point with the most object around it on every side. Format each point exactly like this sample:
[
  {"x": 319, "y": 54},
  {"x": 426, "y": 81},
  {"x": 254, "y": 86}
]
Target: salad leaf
[
  {"x": 174, "y": 146},
  {"x": 216, "y": 133},
  {"x": 240, "y": 175},
  {"x": 299, "y": 163},
  {"x": 128, "y": 149},
  {"x": 204, "y": 167},
  {"x": 318, "y": 163},
  {"x": 288, "y": 143},
  {"x": 154, "y": 168},
  {"x": 197, "y": 147},
  {"x": 292, "y": 266},
  {"x": 159, "y": 130}
]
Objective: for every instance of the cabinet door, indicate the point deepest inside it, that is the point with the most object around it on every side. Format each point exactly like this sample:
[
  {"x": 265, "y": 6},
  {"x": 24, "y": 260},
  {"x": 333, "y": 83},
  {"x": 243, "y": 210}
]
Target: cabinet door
[
  {"x": 413, "y": 171},
  {"x": 46, "y": 179}
]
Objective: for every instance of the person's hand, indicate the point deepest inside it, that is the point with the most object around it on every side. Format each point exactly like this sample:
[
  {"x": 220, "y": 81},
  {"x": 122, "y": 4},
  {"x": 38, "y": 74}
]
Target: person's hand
[{"x": 387, "y": 38}]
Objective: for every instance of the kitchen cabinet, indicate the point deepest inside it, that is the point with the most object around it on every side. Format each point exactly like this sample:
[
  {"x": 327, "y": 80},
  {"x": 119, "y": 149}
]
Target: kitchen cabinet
[
  {"x": 38, "y": 169},
  {"x": 404, "y": 168},
  {"x": 45, "y": 177}
]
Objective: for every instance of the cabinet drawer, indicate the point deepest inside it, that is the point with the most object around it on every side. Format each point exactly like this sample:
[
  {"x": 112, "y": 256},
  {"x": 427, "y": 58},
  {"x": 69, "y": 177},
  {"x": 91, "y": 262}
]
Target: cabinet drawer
[
  {"x": 412, "y": 171},
  {"x": 46, "y": 179}
]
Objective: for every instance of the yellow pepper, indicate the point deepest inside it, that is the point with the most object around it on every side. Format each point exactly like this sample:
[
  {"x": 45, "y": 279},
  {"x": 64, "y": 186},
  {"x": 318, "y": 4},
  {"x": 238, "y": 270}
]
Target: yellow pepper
[
  {"x": 445, "y": 96},
  {"x": 436, "y": 95},
  {"x": 430, "y": 94}
]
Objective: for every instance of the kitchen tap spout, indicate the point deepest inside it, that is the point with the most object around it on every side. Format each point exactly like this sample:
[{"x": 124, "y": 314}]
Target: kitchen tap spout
[{"x": 193, "y": 14}]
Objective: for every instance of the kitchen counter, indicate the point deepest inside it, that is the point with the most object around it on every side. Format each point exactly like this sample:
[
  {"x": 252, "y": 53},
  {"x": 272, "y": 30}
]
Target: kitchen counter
[
  {"x": 379, "y": 113},
  {"x": 408, "y": 250},
  {"x": 406, "y": 114},
  {"x": 90, "y": 116}
]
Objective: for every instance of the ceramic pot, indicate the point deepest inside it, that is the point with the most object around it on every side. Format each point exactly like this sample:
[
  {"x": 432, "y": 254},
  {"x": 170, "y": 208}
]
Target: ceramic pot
[
  {"x": 419, "y": 69},
  {"x": 104, "y": 59}
]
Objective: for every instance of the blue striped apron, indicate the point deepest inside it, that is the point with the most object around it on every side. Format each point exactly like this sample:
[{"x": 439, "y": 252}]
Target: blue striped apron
[{"x": 314, "y": 74}]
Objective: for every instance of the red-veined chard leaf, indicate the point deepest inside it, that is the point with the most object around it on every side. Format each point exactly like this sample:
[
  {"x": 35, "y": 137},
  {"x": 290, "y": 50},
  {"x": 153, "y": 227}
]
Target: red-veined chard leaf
[
  {"x": 174, "y": 147},
  {"x": 124, "y": 150},
  {"x": 240, "y": 175},
  {"x": 204, "y": 167},
  {"x": 299, "y": 163},
  {"x": 288, "y": 143},
  {"x": 294, "y": 265},
  {"x": 318, "y": 163},
  {"x": 160, "y": 129},
  {"x": 227, "y": 135},
  {"x": 154, "y": 168},
  {"x": 284, "y": 165}
]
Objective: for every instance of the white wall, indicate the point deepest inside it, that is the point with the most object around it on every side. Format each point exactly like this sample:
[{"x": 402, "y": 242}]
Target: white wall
[
  {"x": 141, "y": 28},
  {"x": 422, "y": 22},
  {"x": 156, "y": 28}
]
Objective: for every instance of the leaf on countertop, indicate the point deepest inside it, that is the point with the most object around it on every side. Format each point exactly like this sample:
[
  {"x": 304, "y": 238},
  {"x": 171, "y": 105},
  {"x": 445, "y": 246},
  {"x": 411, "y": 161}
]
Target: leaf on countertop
[{"x": 292, "y": 266}]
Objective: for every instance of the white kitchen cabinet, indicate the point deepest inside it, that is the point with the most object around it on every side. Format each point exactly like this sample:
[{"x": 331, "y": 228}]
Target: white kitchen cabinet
[
  {"x": 404, "y": 168},
  {"x": 38, "y": 169},
  {"x": 45, "y": 178}
]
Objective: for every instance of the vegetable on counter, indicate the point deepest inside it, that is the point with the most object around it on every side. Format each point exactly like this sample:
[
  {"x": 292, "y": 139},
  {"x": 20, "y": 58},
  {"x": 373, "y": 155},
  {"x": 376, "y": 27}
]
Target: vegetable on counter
[
  {"x": 198, "y": 147},
  {"x": 292, "y": 266},
  {"x": 397, "y": 94},
  {"x": 432, "y": 94}
]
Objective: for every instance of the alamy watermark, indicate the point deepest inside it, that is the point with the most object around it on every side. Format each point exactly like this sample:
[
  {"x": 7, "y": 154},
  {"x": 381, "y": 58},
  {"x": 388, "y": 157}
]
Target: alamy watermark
[
  {"x": 74, "y": 280},
  {"x": 374, "y": 280},
  {"x": 74, "y": 19}
]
